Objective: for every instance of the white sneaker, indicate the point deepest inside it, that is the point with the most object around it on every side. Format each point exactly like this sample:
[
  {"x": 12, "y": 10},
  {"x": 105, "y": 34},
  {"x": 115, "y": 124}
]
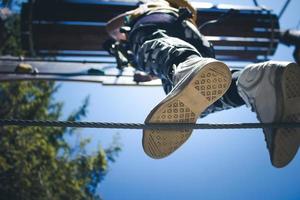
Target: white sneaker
[
  {"x": 272, "y": 89},
  {"x": 201, "y": 83}
]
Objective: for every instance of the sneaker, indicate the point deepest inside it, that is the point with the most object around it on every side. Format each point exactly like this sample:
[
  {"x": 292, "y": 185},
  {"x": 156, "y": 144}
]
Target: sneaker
[
  {"x": 272, "y": 89},
  {"x": 198, "y": 84}
]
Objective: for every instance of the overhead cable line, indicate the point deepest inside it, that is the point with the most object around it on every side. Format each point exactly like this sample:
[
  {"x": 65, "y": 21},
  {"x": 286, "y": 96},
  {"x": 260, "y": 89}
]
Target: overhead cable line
[
  {"x": 283, "y": 8},
  {"x": 164, "y": 126},
  {"x": 255, "y": 3},
  {"x": 225, "y": 16},
  {"x": 298, "y": 24}
]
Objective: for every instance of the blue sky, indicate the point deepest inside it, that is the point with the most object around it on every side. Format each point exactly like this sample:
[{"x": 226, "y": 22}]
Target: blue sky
[{"x": 211, "y": 165}]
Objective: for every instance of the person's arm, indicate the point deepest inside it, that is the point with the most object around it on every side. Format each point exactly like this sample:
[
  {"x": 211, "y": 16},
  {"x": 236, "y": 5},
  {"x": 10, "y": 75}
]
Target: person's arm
[
  {"x": 114, "y": 25},
  {"x": 185, "y": 4}
]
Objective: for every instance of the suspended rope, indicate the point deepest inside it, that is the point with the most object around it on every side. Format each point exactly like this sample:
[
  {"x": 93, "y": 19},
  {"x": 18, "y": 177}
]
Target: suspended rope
[
  {"x": 255, "y": 3},
  {"x": 230, "y": 13},
  {"x": 284, "y": 8},
  {"x": 165, "y": 126},
  {"x": 298, "y": 25}
]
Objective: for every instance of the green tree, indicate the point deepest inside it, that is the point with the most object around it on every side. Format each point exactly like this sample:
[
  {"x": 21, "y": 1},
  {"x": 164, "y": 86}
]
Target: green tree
[
  {"x": 10, "y": 38},
  {"x": 10, "y": 31},
  {"x": 37, "y": 162}
]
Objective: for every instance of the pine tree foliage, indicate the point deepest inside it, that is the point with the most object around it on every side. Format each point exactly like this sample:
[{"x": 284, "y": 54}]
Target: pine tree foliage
[{"x": 37, "y": 162}]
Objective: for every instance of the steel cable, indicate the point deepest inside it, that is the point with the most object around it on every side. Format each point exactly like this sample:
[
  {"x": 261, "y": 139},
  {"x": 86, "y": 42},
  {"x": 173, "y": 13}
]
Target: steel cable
[{"x": 164, "y": 126}]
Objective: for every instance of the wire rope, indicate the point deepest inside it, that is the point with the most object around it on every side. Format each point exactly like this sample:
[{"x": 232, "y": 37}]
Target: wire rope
[{"x": 164, "y": 126}]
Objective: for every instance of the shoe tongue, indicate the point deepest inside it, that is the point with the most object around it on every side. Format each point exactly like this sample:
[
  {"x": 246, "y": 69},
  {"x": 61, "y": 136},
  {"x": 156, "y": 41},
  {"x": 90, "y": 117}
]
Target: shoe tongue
[
  {"x": 184, "y": 68},
  {"x": 179, "y": 74}
]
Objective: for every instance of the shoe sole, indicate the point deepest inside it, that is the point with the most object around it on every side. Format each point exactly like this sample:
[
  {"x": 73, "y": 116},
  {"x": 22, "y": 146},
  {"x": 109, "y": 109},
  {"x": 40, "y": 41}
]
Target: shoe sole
[
  {"x": 286, "y": 140},
  {"x": 184, "y": 104}
]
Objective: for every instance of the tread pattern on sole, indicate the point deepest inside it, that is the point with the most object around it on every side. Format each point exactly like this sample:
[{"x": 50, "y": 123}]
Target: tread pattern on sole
[
  {"x": 211, "y": 83},
  {"x": 286, "y": 146},
  {"x": 162, "y": 143},
  {"x": 292, "y": 82},
  {"x": 176, "y": 112},
  {"x": 287, "y": 140}
]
